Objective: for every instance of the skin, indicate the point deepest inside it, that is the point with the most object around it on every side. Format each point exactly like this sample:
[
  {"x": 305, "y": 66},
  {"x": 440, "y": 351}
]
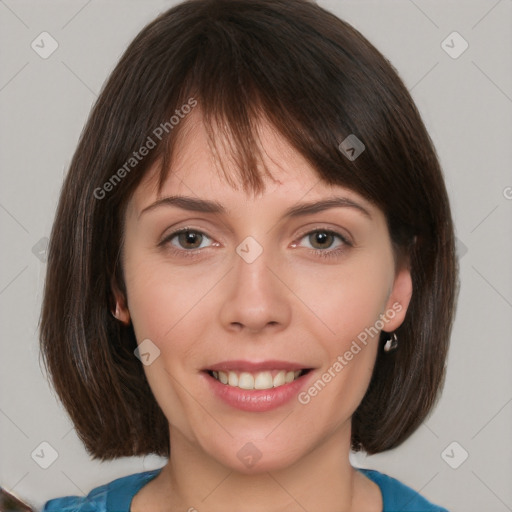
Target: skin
[{"x": 289, "y": 304}]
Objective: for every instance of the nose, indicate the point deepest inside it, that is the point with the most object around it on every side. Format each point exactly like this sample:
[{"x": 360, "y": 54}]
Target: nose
[{"x": 256, "y": 298}]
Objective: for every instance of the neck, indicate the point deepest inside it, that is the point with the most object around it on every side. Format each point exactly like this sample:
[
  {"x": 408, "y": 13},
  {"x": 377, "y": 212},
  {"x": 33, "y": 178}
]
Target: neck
[{"x": 322, "y": 480}]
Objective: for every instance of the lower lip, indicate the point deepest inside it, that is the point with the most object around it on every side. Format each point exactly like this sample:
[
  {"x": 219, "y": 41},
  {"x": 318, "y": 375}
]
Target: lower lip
[{"x": 256, "y": 400}]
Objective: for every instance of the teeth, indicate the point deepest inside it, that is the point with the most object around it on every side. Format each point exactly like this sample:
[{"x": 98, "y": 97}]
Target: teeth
[
  {"x": 263, "y": 381},
  {"x": 258, "y": 380},
  {"x": 232, "y": 379},
  {"x": 280, "y": 379},
  {"x": 246, "y": 381}
]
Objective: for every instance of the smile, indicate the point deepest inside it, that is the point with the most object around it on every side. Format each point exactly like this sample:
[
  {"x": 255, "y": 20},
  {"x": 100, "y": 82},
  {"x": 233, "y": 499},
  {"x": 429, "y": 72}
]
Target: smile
[
  {"x": 256, "y": 386},
  {"x": 256, "y": 380}
]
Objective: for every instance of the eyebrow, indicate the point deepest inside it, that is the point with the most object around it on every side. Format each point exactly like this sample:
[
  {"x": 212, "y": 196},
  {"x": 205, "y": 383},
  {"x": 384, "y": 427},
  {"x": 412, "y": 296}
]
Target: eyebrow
[{"x": 208, "y": 206}]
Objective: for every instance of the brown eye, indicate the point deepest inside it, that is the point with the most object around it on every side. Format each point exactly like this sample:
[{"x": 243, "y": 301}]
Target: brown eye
[
  {"x": 321, "y": 239},
  {"x": 325, "y": 243},
  {"x": 190, "y": 239},
  {"x": 187, "y": 239}
]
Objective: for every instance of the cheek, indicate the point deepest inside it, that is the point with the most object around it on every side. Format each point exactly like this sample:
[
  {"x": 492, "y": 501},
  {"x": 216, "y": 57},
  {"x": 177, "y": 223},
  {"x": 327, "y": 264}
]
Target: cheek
[
  {"x": 163, "y": 309},
  {"x": 150, "y": 310},
  {"x": 161, "y": 299},
  {"x": 347, "y": 299}
]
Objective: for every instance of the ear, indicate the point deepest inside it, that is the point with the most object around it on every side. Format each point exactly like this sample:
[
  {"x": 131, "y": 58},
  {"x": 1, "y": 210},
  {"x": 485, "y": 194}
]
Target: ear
[
  {"x": 399, "y": 299},
  {"x": 120, "y": 310}
]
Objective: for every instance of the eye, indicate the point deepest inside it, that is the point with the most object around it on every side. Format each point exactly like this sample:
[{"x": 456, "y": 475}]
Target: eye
[
  {"x": 323, "y": 239},
  {"x": 187, "y": 239}
]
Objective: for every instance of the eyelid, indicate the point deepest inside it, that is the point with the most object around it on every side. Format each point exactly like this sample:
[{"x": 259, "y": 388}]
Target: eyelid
[
  {"x": 167, "y": 238},
  {"x": 344, "y": 234}
]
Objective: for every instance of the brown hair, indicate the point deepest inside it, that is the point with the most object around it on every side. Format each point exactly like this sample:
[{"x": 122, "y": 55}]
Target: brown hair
[{"x": 317, "y": 80}]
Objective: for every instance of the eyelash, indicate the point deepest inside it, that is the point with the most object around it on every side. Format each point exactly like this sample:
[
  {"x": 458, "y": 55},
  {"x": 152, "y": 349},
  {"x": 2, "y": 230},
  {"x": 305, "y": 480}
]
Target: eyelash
[{"x": 194, "y": 253}]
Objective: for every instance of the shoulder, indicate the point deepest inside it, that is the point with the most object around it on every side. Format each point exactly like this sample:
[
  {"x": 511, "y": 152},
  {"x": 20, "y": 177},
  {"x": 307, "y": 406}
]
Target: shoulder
[
  {"x": 397, "y": 496},
  {"x": 101, "y": 499}
]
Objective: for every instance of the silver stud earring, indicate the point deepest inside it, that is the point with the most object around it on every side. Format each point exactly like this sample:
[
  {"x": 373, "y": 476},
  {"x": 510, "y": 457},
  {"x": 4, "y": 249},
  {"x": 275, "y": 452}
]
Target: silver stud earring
[{"x": 391, "y": 344}]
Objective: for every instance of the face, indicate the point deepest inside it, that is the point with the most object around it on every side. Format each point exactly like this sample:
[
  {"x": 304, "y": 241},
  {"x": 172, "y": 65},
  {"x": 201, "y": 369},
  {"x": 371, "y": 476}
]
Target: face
[{"x": 262, "y": 307}]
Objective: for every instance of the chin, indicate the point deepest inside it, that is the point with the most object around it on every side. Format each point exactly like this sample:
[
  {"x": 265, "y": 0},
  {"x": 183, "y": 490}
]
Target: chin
[{"x": 252, "y": 456}]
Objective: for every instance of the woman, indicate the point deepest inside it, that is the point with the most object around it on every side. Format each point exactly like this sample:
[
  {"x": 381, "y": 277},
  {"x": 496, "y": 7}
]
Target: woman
[{"x": 252, "y": 266}]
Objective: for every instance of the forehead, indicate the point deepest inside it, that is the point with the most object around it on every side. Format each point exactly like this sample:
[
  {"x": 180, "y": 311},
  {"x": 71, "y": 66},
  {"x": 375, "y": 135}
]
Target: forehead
[{"x": 204, "y": 167}]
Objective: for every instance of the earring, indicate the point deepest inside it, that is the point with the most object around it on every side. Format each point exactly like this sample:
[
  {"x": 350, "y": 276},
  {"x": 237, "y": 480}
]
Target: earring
[{"x": 391, "y": 344}]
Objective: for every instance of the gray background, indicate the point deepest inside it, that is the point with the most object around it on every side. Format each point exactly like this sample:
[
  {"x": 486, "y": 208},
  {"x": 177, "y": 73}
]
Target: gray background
[{"x": 466, "y": 103}]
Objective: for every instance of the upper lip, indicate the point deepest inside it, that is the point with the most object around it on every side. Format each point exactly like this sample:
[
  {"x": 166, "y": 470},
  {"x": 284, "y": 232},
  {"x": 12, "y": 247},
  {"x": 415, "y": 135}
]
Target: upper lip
[{"x": 250, "y": 366}]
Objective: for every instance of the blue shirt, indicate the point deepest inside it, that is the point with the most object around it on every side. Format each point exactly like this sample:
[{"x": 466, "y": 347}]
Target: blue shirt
[{"x": 117, "y": 495}]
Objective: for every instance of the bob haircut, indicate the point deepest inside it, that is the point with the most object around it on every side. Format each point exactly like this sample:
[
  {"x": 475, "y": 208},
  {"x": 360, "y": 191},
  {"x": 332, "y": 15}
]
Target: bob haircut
[{"x": 316, "y": 80}]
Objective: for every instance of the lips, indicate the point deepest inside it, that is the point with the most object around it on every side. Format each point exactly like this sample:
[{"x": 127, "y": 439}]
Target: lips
[{"x": 256, "y": 387}]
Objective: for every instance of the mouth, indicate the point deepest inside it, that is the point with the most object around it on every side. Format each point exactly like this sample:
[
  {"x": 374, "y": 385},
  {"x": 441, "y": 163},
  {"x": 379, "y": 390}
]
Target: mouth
[
  {"x": 256, "y": 386},
  {"x": 257, "y": 380}
]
